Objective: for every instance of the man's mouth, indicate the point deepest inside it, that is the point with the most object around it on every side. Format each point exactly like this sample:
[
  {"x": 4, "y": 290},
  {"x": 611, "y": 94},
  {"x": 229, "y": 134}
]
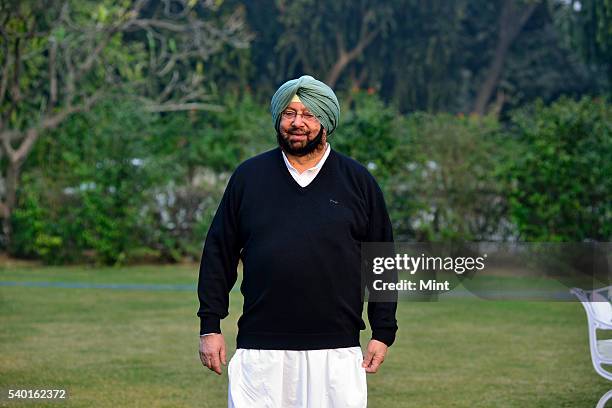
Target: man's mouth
[{"x": 297, "y": 136}]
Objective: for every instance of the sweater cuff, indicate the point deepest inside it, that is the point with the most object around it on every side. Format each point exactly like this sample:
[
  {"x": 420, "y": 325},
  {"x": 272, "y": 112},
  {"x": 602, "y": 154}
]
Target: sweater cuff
[
  {"x": 386, "y": 335},
  {"x": 210, "y": 324}
]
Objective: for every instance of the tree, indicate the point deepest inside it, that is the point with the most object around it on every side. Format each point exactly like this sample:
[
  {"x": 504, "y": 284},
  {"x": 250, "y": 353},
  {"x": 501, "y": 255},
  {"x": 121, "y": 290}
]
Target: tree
[
  {"x": 463, "y": 56},
  {"x": 338, "y": 35},
  {"x": 588, "y": 26},
  {"x": 512, "y": 19},
  {"x": 62, "y": 57}
]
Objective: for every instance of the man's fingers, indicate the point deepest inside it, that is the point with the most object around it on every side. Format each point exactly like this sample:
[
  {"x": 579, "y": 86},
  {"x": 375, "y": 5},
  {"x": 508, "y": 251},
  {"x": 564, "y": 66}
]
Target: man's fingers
[
  {"x": 223, "y": 356},
  {"x": 215, "y": 363},
  {"x": 367, "y": 360},
  {"x": 375, "y": 356},
  {"x": 203, "y": 359},
  {"x": 213, "y": 352},
  {"x": 375, "y": 364}
]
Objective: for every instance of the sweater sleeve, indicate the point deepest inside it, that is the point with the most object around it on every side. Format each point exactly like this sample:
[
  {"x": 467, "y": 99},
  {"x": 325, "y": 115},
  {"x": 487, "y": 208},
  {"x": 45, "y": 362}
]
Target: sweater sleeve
[
  {"x": 218, "y": 267},
  {"x": 381, "y": 315}
]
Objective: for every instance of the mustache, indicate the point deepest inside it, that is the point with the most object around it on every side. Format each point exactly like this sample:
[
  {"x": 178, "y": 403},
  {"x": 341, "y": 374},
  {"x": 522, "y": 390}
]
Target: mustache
[
  {"x": 300, "y": 151},
  {"x": 297, "y": 131}
]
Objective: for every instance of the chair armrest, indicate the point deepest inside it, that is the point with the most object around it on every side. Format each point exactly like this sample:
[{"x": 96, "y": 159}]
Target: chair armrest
[{"x": 601, "y": 325}]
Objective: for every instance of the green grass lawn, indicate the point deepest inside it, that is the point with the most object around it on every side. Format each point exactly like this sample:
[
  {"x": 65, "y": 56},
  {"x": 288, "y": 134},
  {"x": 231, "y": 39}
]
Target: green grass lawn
[{"x": 113, "y": 347}]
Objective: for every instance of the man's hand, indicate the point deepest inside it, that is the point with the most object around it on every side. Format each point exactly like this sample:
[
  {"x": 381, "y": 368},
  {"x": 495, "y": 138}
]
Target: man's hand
[
  {"x": 212, "y": 351},
  {"x": 375, "y": 355}
]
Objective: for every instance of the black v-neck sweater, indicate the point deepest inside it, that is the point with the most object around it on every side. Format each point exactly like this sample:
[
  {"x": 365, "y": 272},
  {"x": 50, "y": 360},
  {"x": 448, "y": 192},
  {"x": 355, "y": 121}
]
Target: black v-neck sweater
[{"x": 300, "y": 249}]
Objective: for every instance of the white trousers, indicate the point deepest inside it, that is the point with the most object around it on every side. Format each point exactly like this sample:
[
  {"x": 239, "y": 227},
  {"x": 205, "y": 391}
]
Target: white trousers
[{"x": 331, "y": 378}]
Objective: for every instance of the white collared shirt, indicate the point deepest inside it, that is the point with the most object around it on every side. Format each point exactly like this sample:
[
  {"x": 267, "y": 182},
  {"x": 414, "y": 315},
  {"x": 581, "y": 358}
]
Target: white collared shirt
[{"x": 306, "y": 177}]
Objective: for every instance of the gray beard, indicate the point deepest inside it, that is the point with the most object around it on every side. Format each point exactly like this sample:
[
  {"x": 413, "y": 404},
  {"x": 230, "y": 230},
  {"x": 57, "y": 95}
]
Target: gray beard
[{"x": 310, "y": 146}]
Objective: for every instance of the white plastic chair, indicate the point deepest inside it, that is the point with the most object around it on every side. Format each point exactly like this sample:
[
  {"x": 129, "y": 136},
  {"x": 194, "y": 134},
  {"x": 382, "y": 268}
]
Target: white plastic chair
[{"x": 599, "y": 315}]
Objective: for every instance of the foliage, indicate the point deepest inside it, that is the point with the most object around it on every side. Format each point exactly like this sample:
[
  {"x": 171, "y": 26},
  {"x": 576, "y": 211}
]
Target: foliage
[
  {"x": 546, "y": 64},
  {"x": 60, "y": 58},
  {"x": 30, "y": 220},
  {"x": 448, "y": 185},
  {"x": 85, "y": 187},
  {"x": 203, "y": 148},
  {"x": 428, "y": 56},
  {"x": 216, "y": 140},
  {"x": 371, "y": 134},
  {"x": 588, "y": 24},
  {"x": 183, "y": 89},
  {"x": 440, "y": 173},
  {"x": 561, "y": 185},
  {"x": 119, "y": 184}
]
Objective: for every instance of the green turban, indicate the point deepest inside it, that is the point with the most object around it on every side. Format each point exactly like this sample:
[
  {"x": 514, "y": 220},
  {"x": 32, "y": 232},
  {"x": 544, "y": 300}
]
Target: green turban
[{"x": 319, "y": 98}]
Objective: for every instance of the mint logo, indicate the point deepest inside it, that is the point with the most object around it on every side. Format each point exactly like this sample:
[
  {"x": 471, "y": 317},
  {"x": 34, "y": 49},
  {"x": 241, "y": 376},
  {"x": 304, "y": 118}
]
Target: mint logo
[{"x": 334, "y": 201}]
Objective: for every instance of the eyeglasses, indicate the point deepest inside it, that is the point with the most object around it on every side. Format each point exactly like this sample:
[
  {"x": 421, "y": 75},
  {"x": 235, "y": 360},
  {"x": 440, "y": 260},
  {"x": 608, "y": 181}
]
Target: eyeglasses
[{"x": 306, "y": 116}]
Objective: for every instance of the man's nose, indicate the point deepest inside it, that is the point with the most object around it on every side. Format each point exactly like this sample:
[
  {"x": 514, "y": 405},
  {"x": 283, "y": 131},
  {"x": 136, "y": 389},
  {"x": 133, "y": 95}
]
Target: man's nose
[{"x": 297, "y": 121}]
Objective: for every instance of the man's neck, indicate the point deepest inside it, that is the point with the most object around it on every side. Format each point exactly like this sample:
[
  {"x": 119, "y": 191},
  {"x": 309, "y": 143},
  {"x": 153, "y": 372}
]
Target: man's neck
[{"x": 303, "y": 163}]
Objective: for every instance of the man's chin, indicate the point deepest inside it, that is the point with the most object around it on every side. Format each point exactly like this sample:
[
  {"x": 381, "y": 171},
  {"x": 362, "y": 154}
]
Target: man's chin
[
  {"x": 300, "y": 148},
  {"x": 297, "y": 144}
]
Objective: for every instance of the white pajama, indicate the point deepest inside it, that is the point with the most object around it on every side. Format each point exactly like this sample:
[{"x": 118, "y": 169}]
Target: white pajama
[{"x": 331, "y": 378}]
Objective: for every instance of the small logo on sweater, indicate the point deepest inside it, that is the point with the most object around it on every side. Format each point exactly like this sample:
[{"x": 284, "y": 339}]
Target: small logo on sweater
[{"x": 334, "y": 201}]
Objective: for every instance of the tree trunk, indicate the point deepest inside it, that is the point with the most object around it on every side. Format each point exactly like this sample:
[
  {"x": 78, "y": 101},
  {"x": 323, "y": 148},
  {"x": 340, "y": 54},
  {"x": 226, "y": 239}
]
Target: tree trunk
[
  {"x": 336, "y": 70},
  {"x": 511, "y": 23},
  {"x": 346, "y": 57},
  {"x": 490, "y": 83},
  {"x": 10, "y": 199}
]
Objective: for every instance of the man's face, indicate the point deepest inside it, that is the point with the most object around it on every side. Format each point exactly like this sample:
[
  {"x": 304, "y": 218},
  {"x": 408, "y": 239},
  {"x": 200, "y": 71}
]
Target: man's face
[{"x": 300, "y": 132}]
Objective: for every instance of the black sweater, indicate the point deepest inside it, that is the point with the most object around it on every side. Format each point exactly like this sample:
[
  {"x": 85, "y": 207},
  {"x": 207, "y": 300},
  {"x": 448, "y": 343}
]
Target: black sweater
[{"x": 300, "y": 249}]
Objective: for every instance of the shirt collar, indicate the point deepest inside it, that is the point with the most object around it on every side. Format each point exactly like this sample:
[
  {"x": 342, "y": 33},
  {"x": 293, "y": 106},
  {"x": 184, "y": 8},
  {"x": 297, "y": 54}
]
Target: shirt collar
[{"x": 315, "y": 167}]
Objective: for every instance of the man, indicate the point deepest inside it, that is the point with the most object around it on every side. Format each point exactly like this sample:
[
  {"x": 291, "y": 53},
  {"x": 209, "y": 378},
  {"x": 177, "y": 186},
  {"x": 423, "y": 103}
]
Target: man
[{"x": 296, "y": 216}]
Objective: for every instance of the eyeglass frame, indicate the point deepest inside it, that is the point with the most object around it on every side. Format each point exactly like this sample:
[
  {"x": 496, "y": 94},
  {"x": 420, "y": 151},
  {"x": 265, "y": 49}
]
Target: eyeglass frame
[{"x": 292, "y": 114}]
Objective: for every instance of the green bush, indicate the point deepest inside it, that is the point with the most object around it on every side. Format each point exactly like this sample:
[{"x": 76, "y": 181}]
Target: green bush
[
  {"x": 113, "y": 181},
  {"x": 561, "y": 184},
  {"x": 203, "y": 148},
  {"x": 31, "y": 232},
  {"x": 119, "y": 185},
  {"x": 84, "y": 186},
  {"x": 448, "y": 187},
  {"x": 440, "y": 173}
]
